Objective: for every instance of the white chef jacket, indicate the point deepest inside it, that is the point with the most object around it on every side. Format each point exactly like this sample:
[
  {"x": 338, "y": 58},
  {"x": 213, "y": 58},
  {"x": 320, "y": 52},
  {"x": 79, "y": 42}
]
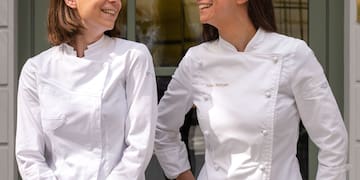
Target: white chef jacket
[
  {"x": 90, "y": 118},
  {"x": 249, "y": 105}
]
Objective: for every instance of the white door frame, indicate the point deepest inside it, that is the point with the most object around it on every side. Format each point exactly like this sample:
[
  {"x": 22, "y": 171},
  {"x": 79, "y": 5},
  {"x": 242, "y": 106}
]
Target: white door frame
[
  {"x": 352, "y": 85},
  {"x": 8, "y": 82}
]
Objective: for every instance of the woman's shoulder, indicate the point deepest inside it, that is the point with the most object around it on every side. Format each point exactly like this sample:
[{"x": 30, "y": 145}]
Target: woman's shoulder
[
  {"x": 134, "y": 49},
  {"x": 200, "y": 49},
  {"x": 296, "y": 52},
  {"x": 124, "y": 44},
  {"x": 47, "y": 53},
  {"x": 33, "y": 64},
  {"x": 282, "y": 44},
  {"x": 44, "y": 56},
  {"x": 131, "y": 51},
  {"x": 289, "y": 44}
]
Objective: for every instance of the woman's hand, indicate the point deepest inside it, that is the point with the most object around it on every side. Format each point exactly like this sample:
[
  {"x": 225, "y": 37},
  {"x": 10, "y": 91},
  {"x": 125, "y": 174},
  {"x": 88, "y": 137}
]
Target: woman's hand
[{"x": 187, "y": 175}]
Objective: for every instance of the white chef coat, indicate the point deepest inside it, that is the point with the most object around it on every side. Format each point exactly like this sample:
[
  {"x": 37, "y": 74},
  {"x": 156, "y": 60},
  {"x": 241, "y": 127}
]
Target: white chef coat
[
  {"x": 90, "y": 118},
  {"x": 249, "y": 105}
]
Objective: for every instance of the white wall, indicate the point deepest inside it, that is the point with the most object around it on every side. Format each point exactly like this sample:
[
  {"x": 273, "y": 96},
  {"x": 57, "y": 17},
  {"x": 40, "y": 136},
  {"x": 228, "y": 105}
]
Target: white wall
[
  {"x": 352, "y": 85},
  {"x": 7, "y": 89}
]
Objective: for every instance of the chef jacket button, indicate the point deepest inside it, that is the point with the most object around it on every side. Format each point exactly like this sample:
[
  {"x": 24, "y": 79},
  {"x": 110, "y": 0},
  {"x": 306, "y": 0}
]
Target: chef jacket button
[
  {"x": 268, "y": 94},
  {"x": 275, "y": 59},
  {"x": 262, "y": 168},
  {"x": 264, "y": 132}
]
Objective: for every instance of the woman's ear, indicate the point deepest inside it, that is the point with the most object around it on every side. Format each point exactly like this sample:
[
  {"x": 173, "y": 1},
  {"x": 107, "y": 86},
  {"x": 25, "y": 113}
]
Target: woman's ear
[{"x": 70, "y": 3}]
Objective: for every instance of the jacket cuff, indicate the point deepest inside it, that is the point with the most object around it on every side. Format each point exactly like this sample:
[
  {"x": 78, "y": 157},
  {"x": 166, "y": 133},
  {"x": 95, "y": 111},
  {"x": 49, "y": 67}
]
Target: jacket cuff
[
  {"x": 332, "y": 173},
  {"x": 173, "y": 161}
]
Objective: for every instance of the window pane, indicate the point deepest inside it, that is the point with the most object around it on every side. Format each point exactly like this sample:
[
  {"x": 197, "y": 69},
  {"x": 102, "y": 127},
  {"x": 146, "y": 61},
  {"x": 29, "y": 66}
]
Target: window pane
[
  {"x": 168, "y": 29},
  {"x": 292, "y": 17}
]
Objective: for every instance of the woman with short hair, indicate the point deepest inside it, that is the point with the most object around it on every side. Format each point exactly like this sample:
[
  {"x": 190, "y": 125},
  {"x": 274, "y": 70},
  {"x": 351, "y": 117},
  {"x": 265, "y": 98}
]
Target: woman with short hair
[{"x": 86, "y": 106}]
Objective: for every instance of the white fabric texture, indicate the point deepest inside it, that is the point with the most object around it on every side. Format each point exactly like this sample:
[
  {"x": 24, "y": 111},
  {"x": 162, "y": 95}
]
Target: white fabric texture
[
  {"x": 249, "y": 105},
  {"x": 90, "y": 118}
]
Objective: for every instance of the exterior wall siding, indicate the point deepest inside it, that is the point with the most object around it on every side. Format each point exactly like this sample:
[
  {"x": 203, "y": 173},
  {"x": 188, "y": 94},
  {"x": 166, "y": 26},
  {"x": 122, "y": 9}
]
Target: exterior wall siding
[
  {"x": 4, "y": 12},
  {"x": 7, "y": 89},
  {"x": 4, "y": 117},
  {"x": 4, "y": 56}
]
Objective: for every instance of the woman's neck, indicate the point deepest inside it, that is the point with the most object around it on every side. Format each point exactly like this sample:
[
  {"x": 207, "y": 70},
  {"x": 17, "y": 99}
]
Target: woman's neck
[
  {"x": 238, "y": 35},
  {"x": 238, "y": 29},
  {"x": 82, "y": 41}
]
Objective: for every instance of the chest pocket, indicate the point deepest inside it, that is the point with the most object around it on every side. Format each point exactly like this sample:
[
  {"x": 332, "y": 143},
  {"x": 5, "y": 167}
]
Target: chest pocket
[{"x": 66, "y": 110}]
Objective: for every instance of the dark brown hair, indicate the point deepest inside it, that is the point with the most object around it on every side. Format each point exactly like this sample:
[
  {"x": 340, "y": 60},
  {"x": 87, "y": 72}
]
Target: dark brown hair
[
  {"x": 261, "y": 13},
  {"x": 64, "y": 23}
]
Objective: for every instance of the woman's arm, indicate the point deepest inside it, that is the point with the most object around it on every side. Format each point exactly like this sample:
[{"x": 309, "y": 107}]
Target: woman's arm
[
  {"x": 177, "y": 100},
  {"x": 30, "y": 144},
  {"x": 320, "y": 114},
  {"x": 141, "y": 119}
]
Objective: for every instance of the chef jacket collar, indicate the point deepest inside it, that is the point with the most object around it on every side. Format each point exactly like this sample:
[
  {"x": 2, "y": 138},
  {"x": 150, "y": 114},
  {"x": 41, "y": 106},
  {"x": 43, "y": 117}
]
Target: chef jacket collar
[
  {"x": 91, "y": 50},
  {"x": 255, "y": 40}
]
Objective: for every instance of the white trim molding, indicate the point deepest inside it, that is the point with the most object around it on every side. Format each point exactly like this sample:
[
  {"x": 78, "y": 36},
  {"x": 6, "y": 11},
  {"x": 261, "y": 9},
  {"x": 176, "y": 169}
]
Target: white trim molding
[
  {"x": 352, "y": 85},
  {"x": 8, "y": 82}
]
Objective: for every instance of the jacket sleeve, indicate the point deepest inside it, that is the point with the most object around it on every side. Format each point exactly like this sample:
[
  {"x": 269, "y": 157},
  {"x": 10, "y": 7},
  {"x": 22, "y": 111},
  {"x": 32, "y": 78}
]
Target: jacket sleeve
[
  {"x": 177, "y": 100},
  {"x": 141, "y": 119},
  {"x": 320, "y": 114},
  {"x": 30, "y": 144}
]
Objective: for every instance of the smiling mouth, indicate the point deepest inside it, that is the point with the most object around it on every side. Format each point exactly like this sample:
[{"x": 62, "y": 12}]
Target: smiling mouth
[
  {"x": 205, "y": 5},
  {"x": 109, "y": 11}
]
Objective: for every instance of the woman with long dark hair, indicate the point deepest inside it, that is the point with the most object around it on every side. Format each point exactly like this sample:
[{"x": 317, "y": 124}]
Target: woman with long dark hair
[
  {"x": 87, "y": 106},
  {"x": 251, "y": 86}
]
